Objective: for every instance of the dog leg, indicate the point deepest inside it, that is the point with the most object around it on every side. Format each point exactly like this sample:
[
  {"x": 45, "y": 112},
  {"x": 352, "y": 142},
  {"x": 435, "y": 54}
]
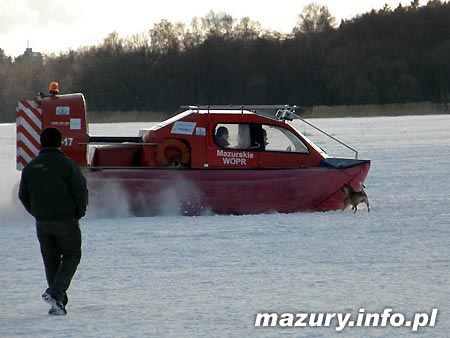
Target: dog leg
[{"x": 366, "y": 200}]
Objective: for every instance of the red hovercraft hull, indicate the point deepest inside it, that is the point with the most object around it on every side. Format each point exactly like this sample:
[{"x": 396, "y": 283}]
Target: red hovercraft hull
[{"x": 223, "y": 191}]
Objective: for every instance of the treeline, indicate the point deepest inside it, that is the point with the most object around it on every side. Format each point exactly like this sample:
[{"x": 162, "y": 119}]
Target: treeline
[{"x": 385, "y": 56}]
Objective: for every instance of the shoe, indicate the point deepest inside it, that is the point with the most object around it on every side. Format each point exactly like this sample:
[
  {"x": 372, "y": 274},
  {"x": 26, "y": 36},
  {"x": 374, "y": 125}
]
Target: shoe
[
  {"x": 58, "y": 309},
  {"x": 65, "y": 300},
  {"x": 52, "y": 312}
]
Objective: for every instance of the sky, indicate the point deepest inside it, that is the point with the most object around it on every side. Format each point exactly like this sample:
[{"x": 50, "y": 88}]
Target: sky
[{"x": 53, "y": 26}]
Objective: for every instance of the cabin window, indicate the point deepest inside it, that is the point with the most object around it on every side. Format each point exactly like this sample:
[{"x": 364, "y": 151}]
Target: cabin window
[
  {"x": 281, "y": 139},
  {"x": 236, "y": 136},
  {"x": 255, "y": 136}
]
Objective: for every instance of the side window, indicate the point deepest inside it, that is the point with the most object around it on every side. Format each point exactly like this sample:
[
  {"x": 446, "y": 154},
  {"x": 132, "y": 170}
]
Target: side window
[
  {"x": 281, "y": 139},
  {"x": 229, "y": 135}
]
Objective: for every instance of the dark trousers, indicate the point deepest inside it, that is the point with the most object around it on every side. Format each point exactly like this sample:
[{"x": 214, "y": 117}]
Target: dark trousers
[{"x": 61, "y": 252}]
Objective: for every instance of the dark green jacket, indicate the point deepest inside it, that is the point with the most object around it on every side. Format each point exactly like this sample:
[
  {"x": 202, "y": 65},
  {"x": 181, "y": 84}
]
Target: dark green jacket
[{"x": 52, "y": 187}]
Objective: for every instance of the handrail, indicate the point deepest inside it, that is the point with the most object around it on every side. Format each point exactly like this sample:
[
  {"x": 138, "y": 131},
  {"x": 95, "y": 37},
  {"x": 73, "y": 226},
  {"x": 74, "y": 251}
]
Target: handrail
[
  {"x": 241, "y": 107},
  {"x": 328, "y": 135}
]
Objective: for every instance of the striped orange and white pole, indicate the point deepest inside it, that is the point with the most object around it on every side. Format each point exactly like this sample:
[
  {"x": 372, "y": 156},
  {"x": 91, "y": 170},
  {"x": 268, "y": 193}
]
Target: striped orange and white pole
[{"x": 29, "y": 128}]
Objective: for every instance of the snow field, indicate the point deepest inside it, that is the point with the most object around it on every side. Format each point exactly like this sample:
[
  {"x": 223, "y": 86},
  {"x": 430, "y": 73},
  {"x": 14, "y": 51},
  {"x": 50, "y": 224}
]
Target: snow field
[{"x": 208, "y": 276}]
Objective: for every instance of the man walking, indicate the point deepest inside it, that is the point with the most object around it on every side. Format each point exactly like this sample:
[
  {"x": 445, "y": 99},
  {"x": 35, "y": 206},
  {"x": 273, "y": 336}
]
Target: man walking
[{"x": 54, "y": 191}]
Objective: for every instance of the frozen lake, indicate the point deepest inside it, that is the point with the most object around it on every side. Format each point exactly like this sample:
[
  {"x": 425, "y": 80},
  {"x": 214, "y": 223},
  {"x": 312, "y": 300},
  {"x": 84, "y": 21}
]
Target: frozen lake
[{"x": 208, "y": 276}]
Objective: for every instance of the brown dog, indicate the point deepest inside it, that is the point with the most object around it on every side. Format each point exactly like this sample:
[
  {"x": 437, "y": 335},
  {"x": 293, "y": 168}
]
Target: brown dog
[{"x": 355, "y": 197}]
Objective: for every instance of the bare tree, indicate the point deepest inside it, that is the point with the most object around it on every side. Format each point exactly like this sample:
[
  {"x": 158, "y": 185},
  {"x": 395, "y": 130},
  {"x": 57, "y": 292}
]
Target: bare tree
[
  {"x": 166, "y": 36},
  {"x": 314, "y": 18}
]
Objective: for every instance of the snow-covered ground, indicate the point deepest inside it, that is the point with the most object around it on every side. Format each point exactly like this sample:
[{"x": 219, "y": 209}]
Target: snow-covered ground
[{"x": 208, "y": 276}]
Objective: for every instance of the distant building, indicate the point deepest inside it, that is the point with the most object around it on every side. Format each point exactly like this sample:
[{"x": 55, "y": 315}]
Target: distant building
[{"x": 31, "y": 56}]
